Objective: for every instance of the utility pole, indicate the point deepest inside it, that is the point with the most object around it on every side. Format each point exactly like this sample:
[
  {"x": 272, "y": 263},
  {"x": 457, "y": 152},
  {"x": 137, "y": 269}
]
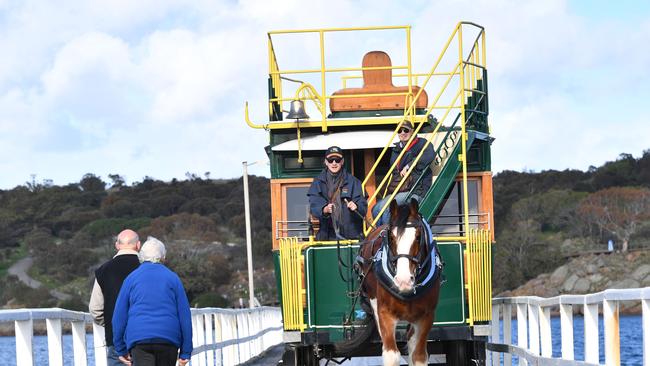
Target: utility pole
[
  {"x": 249, "y": 250},
  {"x": 249, "y": 245}
]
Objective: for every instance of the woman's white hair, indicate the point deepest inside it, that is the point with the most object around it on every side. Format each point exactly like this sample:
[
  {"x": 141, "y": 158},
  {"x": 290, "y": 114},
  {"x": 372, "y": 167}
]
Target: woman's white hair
[{"x": 153, "y": 250}]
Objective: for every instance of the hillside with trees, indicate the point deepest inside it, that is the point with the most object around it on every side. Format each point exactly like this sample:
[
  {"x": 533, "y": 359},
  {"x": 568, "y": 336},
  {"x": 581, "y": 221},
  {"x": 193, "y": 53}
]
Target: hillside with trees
[
  {"x": 69, "y": 231},
  {"x": 541, "y": 219}
]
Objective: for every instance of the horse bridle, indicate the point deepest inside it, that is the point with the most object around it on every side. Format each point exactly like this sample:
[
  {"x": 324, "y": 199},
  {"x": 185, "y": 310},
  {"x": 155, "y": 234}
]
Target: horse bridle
[{"x": 392, "y": 258}]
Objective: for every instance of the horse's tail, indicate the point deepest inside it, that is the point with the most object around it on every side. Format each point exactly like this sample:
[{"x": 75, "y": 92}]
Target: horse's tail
[{"x": 362, "y": 332}]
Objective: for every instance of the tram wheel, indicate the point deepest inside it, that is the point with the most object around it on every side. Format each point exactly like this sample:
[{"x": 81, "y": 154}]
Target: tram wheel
[
  {"x": 456, "y": 353},
  {"x": 298, "y": 356},
  {"x": 465, "y": 353},
  {"x": 288, "y": 357}
]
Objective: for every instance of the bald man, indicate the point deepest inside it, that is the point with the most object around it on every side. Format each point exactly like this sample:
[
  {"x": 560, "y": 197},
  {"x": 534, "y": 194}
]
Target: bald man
[{"x": 108, "y": 281}]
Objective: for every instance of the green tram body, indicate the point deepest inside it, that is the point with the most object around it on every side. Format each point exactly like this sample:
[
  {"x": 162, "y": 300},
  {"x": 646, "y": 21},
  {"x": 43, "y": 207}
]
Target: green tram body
[{"x": 316, "y": 281}]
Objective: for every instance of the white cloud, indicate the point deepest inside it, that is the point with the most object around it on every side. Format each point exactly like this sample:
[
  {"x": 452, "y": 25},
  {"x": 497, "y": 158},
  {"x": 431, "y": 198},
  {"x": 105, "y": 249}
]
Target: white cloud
[{"x": 89, "y": 55}]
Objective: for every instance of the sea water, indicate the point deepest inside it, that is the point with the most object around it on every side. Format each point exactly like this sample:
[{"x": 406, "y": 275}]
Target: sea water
[
  {"x": 39, "y": 345},
  {"x": 630, "y": 330}
]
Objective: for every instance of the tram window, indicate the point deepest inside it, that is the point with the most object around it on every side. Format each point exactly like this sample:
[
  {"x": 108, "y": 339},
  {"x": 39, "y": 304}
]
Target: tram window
[
  {"x": 357, "y": 167},
  {"x": 308, "y": 162},
  {"x": 450, "y": 219},
  {"x": 297, "y": 211},
  {"x": 382, "y": 167}
]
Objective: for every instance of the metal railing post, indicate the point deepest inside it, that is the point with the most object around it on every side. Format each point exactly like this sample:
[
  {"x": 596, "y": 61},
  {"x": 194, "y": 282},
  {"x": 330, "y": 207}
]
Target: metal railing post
[
  {"x": 507, "y": 331},
  {"x": 54, "y": 342},
  {"x": 566, "y": 323},
  {"x": 495, "y": 337},
  {"x": 645, "y": 311},
  {"x": 24, "y": 336},
  {"x": 218, "y": 337},
  {"x": 591, "y": 333},
  {"x": 209, "y": 337},
  {"x": 522, "y": 331},
  {"x": 533, "y": 328},
  {"x": 545, "y": 331},
  {"x": 200, "y": 333},
  {"x": 79, "y": 343},
  {"x": 99, "y": 342},
  {"x": 612, "y": 335}
]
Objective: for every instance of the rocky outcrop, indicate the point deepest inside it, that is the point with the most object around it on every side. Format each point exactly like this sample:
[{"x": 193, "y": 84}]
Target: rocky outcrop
[{"x": 590, "y": 274}]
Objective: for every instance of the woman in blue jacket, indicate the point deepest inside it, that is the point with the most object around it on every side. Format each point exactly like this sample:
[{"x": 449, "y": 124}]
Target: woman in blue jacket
[
  {"x": 152, "y": 324},
  {"x": 336, "y": 199}
]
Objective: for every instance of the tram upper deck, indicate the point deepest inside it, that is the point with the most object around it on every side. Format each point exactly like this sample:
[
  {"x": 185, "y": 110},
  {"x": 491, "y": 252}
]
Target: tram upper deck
[{"x": 355, "y": 97}]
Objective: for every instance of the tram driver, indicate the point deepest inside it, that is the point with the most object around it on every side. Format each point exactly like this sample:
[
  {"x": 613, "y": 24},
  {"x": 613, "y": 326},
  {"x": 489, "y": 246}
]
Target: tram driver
[{"x": 336, "y": 200}]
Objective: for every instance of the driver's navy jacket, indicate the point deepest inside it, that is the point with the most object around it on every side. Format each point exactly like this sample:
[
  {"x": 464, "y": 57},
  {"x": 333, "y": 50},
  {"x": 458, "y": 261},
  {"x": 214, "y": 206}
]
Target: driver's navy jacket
[{"x": 351, "y": 226}]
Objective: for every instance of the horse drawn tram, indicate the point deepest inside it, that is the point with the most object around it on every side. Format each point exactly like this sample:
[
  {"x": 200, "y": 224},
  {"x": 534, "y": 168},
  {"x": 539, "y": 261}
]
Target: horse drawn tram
[{"x": 357, "y": 92}]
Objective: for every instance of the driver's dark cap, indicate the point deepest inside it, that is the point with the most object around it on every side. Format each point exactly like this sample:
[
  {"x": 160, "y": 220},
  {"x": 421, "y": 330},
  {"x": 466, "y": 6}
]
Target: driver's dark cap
[
  {"x": 334, "y": 151},
  {"x": 406, "y": 123}
]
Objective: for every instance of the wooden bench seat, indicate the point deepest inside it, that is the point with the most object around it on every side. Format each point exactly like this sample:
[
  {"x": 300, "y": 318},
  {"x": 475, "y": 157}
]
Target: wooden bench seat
[{"x": 375, "y": 81}]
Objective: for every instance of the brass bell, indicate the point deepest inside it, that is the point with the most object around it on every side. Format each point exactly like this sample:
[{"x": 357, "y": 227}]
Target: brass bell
[{"x": 297, "y": 110}]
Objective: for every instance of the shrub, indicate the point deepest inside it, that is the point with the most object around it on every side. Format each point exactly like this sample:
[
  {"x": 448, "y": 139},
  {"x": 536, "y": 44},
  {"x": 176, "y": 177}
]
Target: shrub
[
  {"x": 210, "y": 299},
  {"x": 183, "y": 226},
  {"x": 107, "y": 228}
]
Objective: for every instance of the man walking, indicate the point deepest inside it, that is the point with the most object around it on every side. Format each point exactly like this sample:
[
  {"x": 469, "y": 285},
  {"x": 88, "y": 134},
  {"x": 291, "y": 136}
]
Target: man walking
[{"x": 108, "y": 281}]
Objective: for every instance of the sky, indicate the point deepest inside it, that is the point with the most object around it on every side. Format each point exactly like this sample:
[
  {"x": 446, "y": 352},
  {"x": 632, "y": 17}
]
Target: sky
[{"x": 157, "y": 88}]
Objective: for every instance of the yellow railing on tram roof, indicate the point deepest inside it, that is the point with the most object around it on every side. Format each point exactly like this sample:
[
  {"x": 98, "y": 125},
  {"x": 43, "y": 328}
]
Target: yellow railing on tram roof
[
  {"x": 319, "y": 95},
  {"x": 469, "y": 67}
]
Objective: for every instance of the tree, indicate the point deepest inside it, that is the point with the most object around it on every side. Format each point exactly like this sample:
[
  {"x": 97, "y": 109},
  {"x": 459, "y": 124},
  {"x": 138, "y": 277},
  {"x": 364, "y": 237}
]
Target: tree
[
  {"x": 117, "y": 181},
  {"x": 524, "y": 251},
  {"x": 92, "y": 183},
  {"x": 619, "y": 211}
]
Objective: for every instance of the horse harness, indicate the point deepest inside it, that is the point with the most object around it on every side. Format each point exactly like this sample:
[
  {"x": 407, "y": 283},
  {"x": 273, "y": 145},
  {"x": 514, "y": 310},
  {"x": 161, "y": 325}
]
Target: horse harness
[{"x": 383, "y": 262}]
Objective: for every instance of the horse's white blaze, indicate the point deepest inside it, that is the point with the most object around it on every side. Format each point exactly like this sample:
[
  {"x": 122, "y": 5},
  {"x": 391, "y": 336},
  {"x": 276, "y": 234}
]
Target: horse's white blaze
[
  {"x": 391, "y": 358},
  {"x": 373, "y": 303},
  {"x": 403, "y": 279}
]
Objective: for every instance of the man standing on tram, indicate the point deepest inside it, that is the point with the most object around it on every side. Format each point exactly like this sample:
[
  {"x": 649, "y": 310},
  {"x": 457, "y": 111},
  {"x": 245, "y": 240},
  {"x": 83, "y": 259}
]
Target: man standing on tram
[{"x": 336, "y": 200}]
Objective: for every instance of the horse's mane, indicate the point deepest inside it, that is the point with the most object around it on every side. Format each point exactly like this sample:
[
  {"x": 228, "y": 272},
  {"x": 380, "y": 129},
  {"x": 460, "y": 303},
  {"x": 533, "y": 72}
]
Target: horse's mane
[{"x": 399, "y": 222}]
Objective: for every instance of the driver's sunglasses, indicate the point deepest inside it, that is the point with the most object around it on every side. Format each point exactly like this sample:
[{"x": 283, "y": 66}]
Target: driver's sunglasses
[
  {"x": 404, "y": 130},
  {"x": 334, "y": 160}
]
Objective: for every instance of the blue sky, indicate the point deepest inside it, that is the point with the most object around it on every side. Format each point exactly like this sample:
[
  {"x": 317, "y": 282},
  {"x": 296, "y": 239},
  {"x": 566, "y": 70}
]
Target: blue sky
[{"x": 157, "y": 88}]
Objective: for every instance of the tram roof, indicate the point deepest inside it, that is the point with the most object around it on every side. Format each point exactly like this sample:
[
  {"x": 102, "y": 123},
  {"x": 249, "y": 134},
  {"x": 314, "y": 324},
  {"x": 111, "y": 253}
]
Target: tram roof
[{"x": 345, "y": 140}]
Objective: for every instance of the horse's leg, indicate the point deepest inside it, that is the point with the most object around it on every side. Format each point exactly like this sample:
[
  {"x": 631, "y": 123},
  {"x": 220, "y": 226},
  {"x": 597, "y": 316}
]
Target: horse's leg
[
  {"x": 373, "y": 304},
  {"x": 410, "y": 342},
  {"x": 417, "y": 344},
  {"x": 390, "y": 353}
]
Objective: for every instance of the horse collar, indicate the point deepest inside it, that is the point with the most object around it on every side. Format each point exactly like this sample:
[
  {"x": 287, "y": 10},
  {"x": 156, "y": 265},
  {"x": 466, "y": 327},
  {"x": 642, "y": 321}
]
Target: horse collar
[{"x": 429, "y": 263}]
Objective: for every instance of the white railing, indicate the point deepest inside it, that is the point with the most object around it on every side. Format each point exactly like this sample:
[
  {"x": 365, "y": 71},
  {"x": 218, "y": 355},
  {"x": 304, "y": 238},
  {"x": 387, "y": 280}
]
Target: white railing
[
  {"x": 534, "y": 339},
  {"x": 222, "y": 337},
  {"x": 229, "y": 337}
]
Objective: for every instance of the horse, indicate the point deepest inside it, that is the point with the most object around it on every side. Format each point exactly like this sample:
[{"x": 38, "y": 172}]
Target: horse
[{"x": 399, "y": 269}]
